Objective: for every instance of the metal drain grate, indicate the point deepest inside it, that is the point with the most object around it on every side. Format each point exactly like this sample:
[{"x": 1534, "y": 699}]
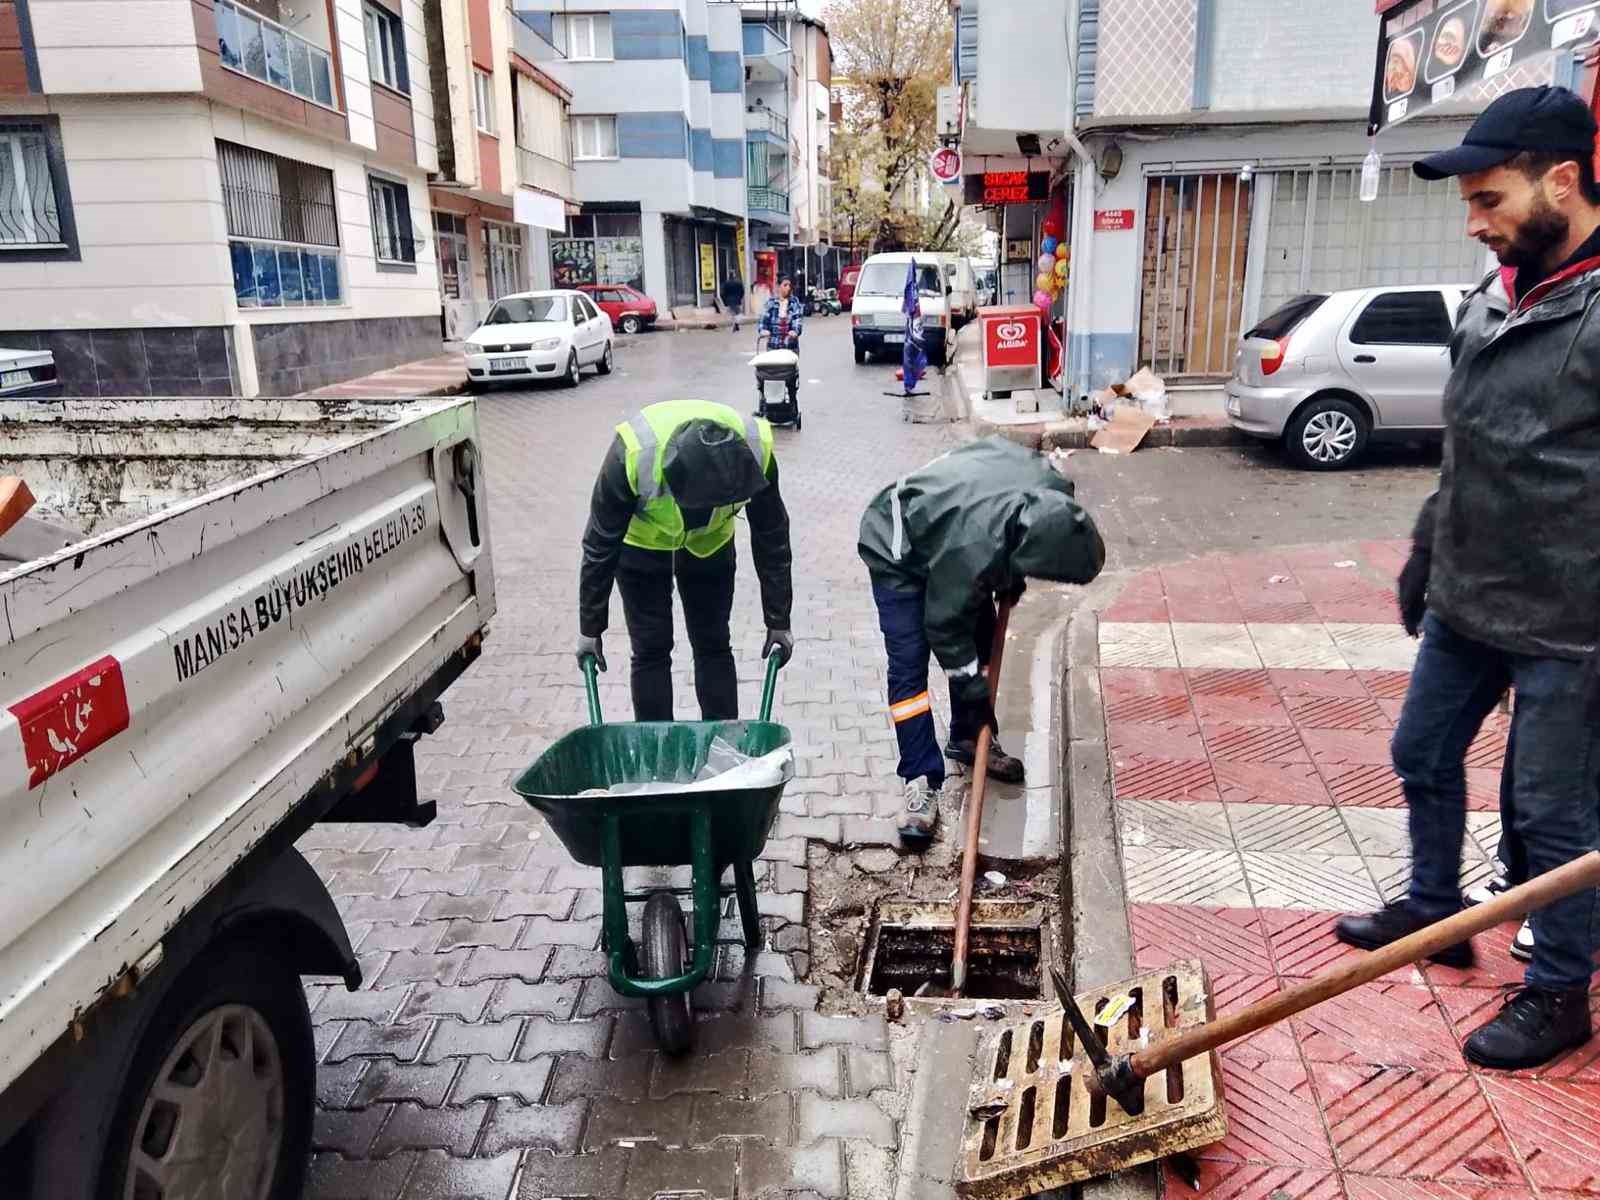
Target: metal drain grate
[{"x": 1031, "y": 1122}]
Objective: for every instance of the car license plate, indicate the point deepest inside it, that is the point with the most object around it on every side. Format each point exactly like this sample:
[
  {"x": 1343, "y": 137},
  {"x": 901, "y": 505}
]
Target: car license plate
[
  {"x": 503, "y": 366},
  {"x": 15, "y": 378},
  {"x": 894, "y": 339}
]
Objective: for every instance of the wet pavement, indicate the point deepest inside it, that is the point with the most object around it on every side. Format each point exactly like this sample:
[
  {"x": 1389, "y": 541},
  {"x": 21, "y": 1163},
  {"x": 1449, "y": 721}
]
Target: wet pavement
[{"x": 485, "y": 1055}]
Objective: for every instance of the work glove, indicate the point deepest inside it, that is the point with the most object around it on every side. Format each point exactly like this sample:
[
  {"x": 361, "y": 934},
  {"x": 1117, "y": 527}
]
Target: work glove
[
  {"x": 589, "y": 647},
  {"x": 781, "y": 643},
  {"x": 1413, "y": 590},
  {"x": 973, "y": 692},
  {"x": 1591, "y": 689}
]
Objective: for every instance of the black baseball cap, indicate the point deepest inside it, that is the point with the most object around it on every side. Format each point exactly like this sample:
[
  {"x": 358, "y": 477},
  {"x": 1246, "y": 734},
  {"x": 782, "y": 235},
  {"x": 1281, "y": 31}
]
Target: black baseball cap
[{"x": 1542, "y": 119}]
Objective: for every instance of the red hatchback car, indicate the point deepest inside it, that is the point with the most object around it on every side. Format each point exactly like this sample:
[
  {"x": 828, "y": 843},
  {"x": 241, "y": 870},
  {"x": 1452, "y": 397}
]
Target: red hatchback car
[{"x": 630, "y": 310}]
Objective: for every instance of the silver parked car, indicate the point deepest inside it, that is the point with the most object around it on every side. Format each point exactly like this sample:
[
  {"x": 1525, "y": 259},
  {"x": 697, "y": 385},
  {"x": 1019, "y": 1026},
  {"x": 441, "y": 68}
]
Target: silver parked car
[{"x": 1327, "y": 372}]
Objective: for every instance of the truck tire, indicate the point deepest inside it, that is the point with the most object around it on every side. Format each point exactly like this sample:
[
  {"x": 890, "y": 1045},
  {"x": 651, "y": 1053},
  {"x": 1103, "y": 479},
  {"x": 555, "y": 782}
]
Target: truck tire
[
  {"x": 222, "y": 1076},
  {"x": 662, "y": 958}
]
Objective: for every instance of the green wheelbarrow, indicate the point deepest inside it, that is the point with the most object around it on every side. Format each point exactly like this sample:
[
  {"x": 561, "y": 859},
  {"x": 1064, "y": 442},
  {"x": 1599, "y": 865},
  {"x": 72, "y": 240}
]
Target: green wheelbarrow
[{"x": 707, "y": 829}]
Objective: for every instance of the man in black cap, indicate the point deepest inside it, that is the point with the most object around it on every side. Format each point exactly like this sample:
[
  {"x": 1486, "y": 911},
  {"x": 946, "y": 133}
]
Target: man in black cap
[{"x": 1503, "y": 582}]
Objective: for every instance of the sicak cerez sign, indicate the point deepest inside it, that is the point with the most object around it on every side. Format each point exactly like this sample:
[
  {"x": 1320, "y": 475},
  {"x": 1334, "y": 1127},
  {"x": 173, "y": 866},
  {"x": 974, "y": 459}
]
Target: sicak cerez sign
[
  {"x": 1428, "y": 50},
  {"x": 1010, "y": 187}
]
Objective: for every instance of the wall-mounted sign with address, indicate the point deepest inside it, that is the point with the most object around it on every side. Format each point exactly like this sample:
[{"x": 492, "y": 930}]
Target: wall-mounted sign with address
[
  {"x": 1112, "y": 220},
  {"x": 1429, "y": 50}
]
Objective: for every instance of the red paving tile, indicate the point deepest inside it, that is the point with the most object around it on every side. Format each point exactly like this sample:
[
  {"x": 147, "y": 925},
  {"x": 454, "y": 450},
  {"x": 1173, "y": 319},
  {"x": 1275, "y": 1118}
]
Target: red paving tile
[
  {"x": 1136, "y": 777},
  {"x": 1254, "y": 743},
  {"x": 1227, "y": 940},
  {"x": 1364, "y": 786},
  {"x": 1483, "y": 789},
  {"x": 1395, "y": 1121},
  {"x": 1248, "y": 709},
  {"x": 1272, "y": 1113},
  {"x": 1269, "y": 783},
  {"x": 1277, "y": 612},
  {"x": 1231, "y": 991},
  {"x": 1337, "y": 712},
  {"x": 1230, "y": 683},
  {"x": 1495, "y": 967},
  {"x": 1151, "y": 709},
  {"x": 1468, "y": 1008},
  {"x": 1121, "y": 683},
  {"x": 1375, "y": 611},
  {"x": 1388, "y": 1024},
  {"x": 1348, "y": 747},
  {"x": 1362, "y": 1187},
  {"x": 1174, "y": 739},
  {"x": 1488, "y": 749},
  {"x": 1317, "y": 683},
  {"x": 1224, "y": 609},
  {"x": 1555, "y": 1126},
  {"x": 1230, "y": 1180},
  {"x": 1153, "y": 610},
  {"x": 1303, "y": 945},
  {"x": 1386, "y": 685}
]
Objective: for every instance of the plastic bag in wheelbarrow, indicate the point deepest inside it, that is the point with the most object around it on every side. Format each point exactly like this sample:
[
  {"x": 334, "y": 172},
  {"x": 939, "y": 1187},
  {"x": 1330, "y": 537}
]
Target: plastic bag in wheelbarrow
[{"x": 725, "y": 769}]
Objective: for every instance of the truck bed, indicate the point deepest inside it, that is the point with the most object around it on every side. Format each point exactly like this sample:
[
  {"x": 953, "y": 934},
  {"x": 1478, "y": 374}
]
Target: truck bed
[{"x": 260, "y": 584}]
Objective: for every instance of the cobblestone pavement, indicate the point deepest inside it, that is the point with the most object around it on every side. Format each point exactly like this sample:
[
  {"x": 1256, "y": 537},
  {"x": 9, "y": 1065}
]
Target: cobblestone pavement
[
  {"x": 485, "y": 1056},
  {"x": 1249, "y": 700}
]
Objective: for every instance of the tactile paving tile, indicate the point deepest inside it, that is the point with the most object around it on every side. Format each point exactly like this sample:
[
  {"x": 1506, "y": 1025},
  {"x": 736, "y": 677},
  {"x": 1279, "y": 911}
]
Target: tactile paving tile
[
  {"x": 1311, "y": 881},
  {"x": 1153, "y": 875},
  {"x": 1293, "y": 828},
  {"x": 1397, "y": 1121},
  {"x": 1291, "y": 684},
  {"x": 1215, "y": 645},
  {"x": 1370, "y": 786},
  {"x": 1374, "y": 647},
  {"x": 1229, "y": 940},
  {"x": 1254, "y": 743},
  {"x": 1272, "y": 1112},
  {"x": 1393, "y": 1024},
  {"x": 1337, "y": 712},
  {"x": 1386, "y": 685},
  {"x": 1126, "y": 683},
  {"x": 1233, "y": 992},
  {"x": 1141, "y": 778},
  {"x": 1193, "y": 825},
  {"x": 1302, "y": 944},
  {"x": 1296, "y": 647},
  {"x": 1348, "y": 747},
  {"x": 1128, "y": 644},
  {"x": 1230, "y": 682},
  {"x": 1171, "y": 739},
  {"x": 1269, "y": 783},
  {"x": 1249, "y": 709},
  {"x": 1470, "y": 1008},
  {"x": 1150, "y": 710},
  {"x": 1228, "y": 1180},
  {"x": 1556, "y": 1127}
]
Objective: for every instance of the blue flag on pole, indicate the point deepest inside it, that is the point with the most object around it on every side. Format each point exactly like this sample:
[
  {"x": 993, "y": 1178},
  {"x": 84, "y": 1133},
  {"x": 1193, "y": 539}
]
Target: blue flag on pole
[{"x": 913, "y": 355}]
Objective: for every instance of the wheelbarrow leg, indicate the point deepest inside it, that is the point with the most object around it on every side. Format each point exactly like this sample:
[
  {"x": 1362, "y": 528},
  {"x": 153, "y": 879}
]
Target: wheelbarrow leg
[{"x": 744, "y": 884}]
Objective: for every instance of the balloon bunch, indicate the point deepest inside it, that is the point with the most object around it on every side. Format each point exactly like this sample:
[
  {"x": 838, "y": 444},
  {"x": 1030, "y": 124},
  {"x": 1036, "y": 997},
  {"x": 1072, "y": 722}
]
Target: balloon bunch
[{"x": 1054, "y": 257}]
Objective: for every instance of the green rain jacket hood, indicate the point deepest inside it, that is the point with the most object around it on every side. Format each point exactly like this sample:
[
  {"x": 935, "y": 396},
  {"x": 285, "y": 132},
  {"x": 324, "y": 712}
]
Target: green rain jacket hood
[{"x": 975, "y": 521}]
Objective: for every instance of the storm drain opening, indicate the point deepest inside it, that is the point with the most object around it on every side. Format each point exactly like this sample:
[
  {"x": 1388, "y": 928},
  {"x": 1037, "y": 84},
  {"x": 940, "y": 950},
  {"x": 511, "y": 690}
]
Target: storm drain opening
[{"x": 910, "y": 947}]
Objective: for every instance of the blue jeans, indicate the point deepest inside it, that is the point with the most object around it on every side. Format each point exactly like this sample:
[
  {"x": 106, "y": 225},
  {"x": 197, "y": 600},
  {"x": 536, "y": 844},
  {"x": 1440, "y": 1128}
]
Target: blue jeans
[
  {"x": 901, "y": 617},
  {"x": 1553, "y": 778}
]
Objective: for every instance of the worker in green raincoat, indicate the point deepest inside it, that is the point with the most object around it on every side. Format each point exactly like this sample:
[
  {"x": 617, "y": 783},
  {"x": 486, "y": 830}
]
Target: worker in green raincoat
[{"x": 941, "y": 545}]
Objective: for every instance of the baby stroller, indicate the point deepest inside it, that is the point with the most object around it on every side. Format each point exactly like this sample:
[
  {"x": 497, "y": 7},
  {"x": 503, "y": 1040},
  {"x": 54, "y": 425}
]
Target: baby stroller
[{"x": 777, "y": 366}]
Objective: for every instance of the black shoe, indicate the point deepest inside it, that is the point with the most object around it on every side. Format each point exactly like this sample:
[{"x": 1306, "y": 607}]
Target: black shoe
[
  {"x": 760, "y": 412},
  {"x": 1534, "y": 1026},
  {"x": 1390, "y": 924},
  {"x": 1002, "y": 767}
]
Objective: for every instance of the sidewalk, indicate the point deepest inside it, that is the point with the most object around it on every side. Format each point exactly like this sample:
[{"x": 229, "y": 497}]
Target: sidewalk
[
  {"x": 441, "y": 376},
  {"x": 1249, "y": 701}
]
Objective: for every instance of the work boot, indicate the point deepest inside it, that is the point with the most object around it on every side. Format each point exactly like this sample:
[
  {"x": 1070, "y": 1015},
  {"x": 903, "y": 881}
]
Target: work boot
[
  {"x": 1522, "y": 944},
  {"x": 1002, "y": 767},
  {"x": 1390, "y": 924},
  {"x": 1534, "y": 1026},
  {"x": 919, "y": 813}
]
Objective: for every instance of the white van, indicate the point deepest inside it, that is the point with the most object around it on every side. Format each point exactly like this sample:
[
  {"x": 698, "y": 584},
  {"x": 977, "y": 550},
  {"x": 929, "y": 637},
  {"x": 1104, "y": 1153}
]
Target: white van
[
  {"x": 877, "y": 325},
  {"x": 962, "y": 281}
]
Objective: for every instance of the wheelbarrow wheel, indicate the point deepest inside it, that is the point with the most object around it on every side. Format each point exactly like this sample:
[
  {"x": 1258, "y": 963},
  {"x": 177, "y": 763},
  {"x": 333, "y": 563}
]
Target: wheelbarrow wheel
[{"x": 664, "y": 953}]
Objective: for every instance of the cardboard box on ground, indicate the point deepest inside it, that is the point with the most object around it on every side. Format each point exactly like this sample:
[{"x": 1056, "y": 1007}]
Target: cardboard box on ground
[{"x": 1125, "y": 412}]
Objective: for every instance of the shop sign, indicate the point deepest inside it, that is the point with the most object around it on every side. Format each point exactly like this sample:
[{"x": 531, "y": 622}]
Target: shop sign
[
  {"x": 945, "y": 163},
  {"x": 1008, "y": 187},
  {"x": 1112, "y": 220},
  {"x": 708, "y": 267},
  {"x": 1429, "y": 50}
]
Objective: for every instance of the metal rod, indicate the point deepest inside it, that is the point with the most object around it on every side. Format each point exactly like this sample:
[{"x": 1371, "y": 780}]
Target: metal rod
[
  {"x": 1211, "y": 290},
  {"x": 1159, "y": 186},
  {"x": 1230, "y": 330},
  {"x": 1176, "y": 273},
  {"x": 980, "y": 774}
]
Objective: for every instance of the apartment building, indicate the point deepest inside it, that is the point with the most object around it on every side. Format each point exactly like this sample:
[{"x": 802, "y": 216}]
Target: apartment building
[
  {"x": 505, "y": 181},
  {"x": 216, "y": 197},
  {"x": 658, "y": 141},
  {"x": 1210, "y": 152},
  {"x": 788, "y": 101}
]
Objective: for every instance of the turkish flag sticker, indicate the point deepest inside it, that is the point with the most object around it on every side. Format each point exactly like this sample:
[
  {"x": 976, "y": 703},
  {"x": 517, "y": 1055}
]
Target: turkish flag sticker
[{"x": 63, "y": 722}]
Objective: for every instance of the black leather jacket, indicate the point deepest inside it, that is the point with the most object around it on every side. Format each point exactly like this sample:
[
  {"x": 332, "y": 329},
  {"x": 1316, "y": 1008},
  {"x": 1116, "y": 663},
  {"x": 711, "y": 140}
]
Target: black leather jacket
[{"x": 1515, "y": 525}]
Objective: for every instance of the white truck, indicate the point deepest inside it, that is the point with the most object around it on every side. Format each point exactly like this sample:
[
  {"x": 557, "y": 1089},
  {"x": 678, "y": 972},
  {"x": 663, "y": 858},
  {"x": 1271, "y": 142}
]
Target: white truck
[{"x": 258, "y": 610}]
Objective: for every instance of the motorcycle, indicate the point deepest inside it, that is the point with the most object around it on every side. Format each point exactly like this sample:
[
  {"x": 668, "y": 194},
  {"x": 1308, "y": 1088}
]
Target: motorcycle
[{"x": 824, "y": 302}]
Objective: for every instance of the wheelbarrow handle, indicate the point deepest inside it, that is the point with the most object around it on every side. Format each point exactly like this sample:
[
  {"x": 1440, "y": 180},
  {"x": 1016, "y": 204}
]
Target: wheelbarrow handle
[{"x": 591, "y": 684}]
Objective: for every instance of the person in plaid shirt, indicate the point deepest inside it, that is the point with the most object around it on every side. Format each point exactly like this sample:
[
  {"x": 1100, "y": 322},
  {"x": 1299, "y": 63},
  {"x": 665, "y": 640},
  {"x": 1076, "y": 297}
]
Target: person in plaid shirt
[{"x": 781, "y": 320}]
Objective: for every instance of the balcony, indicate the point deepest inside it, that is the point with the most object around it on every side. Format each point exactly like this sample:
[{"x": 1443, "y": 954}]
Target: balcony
[
  {"x": 768, "y": 204},
  {"x": 763, "y": 120},
  {"x": 531, "y": 44},
  {"x": 548, "y": 174},
  {"x": 264, "y": 50}
]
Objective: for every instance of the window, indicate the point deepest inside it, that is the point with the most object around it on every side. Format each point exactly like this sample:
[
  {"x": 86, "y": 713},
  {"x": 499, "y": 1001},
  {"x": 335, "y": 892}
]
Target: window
[
  {"x": 391, "y": 220},
  {"x": 280, "y": 215},
  {"x": 594, "y": 137},
  {"x": 600, "y": 248},
  {"x": 1403, "y": 319},
  {"x": 386, "y": 48},
  {"x": 35, "y": 216},
  {"x": 455, "y": 264},
  {"x": 584, "y": 37},
  {"x": 483, "y": 99},
  {"x": 503, "y": 253},
  {"x": 1285, "y": 320},
  {"x": 531, "y": 310},
  {"x": 1196, "y": 241},
  {"x": 253, "y": 45}
]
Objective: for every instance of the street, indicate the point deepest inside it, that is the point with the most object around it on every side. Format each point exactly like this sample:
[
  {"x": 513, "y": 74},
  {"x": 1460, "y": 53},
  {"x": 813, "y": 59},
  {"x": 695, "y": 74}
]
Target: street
[{"x": 484, "y": 1048}]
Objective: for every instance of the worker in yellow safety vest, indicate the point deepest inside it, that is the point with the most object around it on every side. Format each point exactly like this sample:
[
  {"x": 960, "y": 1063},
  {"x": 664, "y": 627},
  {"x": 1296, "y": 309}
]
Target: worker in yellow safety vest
[{"x": 674, "y": 480}]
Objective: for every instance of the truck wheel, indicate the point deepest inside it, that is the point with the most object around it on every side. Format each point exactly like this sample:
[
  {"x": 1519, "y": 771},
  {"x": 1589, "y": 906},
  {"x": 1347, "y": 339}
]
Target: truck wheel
[
  {"x": 215, "y": 1102},
  {"x": 663, "y": 958}
]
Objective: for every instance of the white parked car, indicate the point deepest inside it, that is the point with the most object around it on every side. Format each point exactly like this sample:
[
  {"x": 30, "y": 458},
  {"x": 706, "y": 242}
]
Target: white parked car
[{"x": 539, "y": 335}]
